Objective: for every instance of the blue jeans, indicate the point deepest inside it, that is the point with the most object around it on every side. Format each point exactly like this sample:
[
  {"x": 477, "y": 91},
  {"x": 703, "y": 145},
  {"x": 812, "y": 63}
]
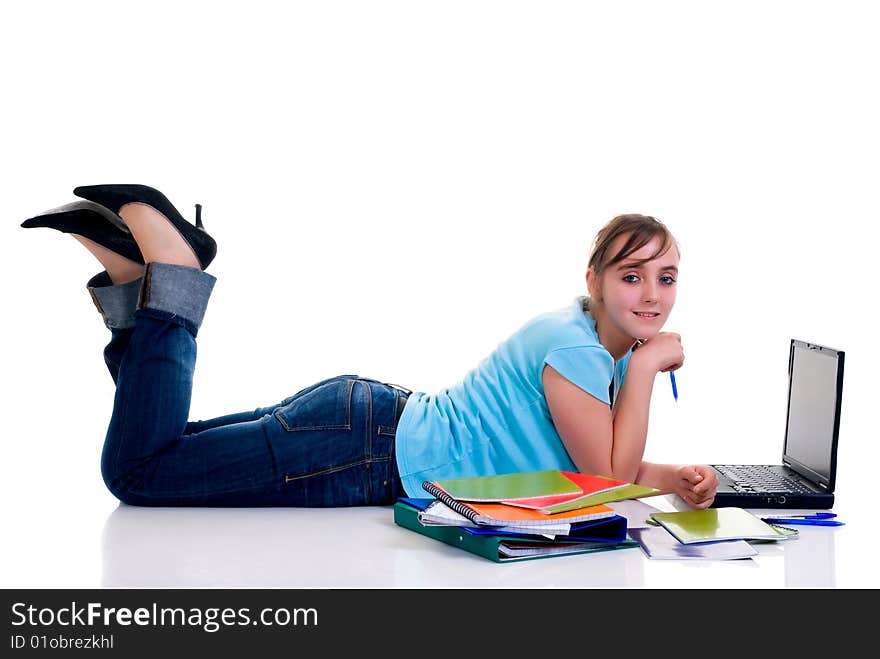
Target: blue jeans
[{"x": 331, "y": 444}]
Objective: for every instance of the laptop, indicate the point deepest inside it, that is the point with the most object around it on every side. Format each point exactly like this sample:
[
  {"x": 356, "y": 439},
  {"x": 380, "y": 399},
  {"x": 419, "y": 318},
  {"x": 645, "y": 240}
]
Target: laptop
[{"x": 805, "y": 479}]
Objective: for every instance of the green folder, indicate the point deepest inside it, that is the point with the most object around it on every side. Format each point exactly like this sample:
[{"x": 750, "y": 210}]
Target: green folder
[
  {"x": 632, "y": 491},
  {"x": 498, "y": 548},
  {"x": 714, "y": 524},
  {"x": 520, "y": 485}
]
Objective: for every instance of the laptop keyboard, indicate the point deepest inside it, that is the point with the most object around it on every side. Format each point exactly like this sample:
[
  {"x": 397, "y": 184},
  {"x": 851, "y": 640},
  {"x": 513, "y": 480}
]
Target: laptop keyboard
[{"x": 760, "y": 478}]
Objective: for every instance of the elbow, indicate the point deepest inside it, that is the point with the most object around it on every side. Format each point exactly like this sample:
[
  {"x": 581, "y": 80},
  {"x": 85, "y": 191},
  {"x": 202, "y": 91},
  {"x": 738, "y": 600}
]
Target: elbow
[
  {"x": 626, "y": 473},
  {"x": 617, "y": 473},
  {"x": 609, "y": 468}
]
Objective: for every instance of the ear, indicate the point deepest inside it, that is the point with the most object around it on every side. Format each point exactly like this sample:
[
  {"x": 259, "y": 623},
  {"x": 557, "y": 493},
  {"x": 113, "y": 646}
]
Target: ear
[{"x": 594, "y": 285}]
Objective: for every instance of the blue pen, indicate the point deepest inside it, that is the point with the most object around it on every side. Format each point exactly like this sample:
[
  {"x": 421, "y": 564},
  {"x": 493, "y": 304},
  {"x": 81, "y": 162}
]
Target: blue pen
[
  {"x": 802, "y": 520},
  {"x": 671, "y": 373},
  {"x": 820, "y": 515}
]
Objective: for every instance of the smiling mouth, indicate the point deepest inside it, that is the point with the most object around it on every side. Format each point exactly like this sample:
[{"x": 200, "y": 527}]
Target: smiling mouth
[{"x": 648, "y": 314}]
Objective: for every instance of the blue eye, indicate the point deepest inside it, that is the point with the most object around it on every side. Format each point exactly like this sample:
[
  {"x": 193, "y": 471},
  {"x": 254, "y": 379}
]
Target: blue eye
[{"x": 632, "y": 279}]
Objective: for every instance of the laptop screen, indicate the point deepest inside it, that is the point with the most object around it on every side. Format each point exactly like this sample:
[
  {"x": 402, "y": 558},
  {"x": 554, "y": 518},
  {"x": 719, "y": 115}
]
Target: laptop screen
[{"x": 815, "y": 382}]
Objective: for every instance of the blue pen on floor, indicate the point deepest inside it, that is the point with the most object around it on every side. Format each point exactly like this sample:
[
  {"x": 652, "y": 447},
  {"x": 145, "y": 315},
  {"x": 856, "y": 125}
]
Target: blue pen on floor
[
  {"x": 819, "y": 515},
  {"x": 674, "y": 388},
  {"x": 802, "y": 520}
]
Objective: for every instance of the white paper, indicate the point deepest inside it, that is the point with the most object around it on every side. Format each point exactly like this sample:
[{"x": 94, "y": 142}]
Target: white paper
[
  {"x": 439, "y": 514},
  {"x": 635, "y": 511},
  {"x": 660, "y": 544}
]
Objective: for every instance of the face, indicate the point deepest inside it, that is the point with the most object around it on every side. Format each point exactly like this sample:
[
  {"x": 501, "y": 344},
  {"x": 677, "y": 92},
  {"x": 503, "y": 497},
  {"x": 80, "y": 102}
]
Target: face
[{"x": 637, "y": 299}]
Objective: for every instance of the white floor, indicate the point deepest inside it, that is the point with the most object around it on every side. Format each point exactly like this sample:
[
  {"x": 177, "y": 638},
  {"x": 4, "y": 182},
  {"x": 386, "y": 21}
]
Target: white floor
[{"x": 64, "y": 544}]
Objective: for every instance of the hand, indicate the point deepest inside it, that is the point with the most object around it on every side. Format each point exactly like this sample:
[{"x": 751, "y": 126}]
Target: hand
[
  {"x": 696, "y": 484},
  {"x": 662, "y": 352}
]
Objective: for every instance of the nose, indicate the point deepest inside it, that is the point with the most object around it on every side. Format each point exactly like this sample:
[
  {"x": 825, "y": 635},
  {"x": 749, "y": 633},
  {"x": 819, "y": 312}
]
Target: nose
[{"x": 649, "y": 291}]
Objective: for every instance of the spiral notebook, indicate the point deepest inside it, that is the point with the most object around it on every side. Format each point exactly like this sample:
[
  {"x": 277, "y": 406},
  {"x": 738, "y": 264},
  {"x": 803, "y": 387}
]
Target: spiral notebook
[{"x": 499, "y": 514}]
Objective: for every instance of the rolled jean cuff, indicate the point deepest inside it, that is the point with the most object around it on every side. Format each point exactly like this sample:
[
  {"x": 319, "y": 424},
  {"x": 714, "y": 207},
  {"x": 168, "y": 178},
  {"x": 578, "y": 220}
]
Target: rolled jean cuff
[
  {"x": 177, "y": 293},
  {"x": 116, "y": 303}
]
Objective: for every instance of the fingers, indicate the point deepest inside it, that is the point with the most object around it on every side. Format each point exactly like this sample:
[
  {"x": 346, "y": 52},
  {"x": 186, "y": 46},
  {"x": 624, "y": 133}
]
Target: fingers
[
  {"x": 692, "y": 475},
  {"x": 698, "y": 500},
  {"x": 708, "y": 482},
  {"x": 698, "y": 486},
  {"x": 705, "y": 503},
  {"x": 666, "y": 351}
]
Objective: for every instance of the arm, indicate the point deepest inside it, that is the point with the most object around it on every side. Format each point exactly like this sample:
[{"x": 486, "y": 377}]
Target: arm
[
  {"x": 612, "y": 444},
  {"x": 598, "y": 441}
]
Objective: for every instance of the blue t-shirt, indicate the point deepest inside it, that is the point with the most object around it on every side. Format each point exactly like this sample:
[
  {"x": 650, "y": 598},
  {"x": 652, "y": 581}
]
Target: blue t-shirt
[{"x": 496, "y": 420}]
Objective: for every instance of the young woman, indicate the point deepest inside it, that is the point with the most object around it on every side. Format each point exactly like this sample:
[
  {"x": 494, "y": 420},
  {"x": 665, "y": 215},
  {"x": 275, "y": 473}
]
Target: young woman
[{"x": 568, "y": 390}]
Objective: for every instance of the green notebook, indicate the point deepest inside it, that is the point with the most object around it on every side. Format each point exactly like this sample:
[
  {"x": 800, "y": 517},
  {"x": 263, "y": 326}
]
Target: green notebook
[
  {"x": 714, "y": 524},
  {"x": 498, "y": 487},
  {"x": 500, "y": 548},
  {"x": 631, "y": 491},
  {"x": 550, "y": 491}
]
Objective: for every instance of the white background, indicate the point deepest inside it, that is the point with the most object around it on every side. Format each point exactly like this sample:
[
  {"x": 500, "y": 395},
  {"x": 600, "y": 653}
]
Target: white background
[{"x": 395, "y": 187}]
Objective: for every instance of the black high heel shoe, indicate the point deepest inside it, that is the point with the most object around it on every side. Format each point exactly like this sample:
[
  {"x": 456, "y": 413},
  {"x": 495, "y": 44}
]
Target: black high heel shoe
[
  {"x": 115, "y": 196},
  {"x": 91, "y": 221}
]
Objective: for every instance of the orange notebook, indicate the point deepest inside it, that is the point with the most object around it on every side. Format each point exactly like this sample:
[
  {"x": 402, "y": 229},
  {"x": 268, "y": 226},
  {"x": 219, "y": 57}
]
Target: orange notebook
[{"x": 499, "y": 514}]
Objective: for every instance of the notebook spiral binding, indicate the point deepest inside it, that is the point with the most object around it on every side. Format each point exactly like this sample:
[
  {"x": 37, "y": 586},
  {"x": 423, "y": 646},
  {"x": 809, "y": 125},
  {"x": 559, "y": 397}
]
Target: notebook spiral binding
[{"x": 457, "y": 506}]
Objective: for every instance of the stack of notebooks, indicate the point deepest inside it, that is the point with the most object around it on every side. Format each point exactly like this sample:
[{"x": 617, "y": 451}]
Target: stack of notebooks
[
  {"x": 523, "y": 516},
  {"x": 713, "y": 533}
]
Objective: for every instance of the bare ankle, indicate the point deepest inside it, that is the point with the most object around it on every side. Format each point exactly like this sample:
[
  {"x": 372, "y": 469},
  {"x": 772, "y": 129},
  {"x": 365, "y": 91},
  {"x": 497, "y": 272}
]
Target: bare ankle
[
  {"x": 120, "y": 269},
  {"x": 158, "y": 239}
]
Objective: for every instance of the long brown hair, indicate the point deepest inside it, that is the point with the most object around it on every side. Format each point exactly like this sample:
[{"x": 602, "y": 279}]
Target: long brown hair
[{"x": 642, "y": 229}]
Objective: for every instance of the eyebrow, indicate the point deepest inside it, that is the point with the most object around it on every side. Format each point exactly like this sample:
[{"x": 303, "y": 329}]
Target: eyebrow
[{"x": 627, "y": 266}]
